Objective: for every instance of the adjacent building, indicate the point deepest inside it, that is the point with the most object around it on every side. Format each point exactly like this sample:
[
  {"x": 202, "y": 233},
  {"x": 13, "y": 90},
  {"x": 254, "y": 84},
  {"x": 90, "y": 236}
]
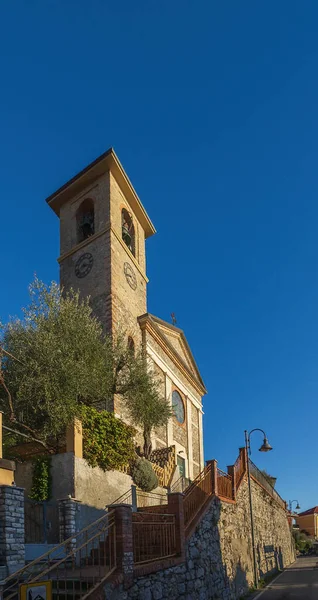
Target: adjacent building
[{"x": 307, "y": 521}]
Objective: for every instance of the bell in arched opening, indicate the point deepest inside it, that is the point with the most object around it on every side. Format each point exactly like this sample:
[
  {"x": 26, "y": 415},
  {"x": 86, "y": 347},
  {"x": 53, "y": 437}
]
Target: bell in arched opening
[
  {"x": 128, "y": 230},
  {"x": 85, "y": 220}
]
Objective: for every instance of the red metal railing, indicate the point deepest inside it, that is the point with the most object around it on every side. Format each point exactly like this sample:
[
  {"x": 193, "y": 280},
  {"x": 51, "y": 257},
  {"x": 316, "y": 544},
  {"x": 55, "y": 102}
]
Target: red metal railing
[
  {"x": 224, "y": 485},
  {"x": 196, "y": 494},
  {"x": 154, "y": 536}
]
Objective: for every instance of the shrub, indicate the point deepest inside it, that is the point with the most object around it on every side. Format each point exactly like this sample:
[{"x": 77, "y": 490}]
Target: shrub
[
  {"x": 303, "y": 542},
  {"x": 108, "y": 443},
  {"x": 143, "y": 475}
]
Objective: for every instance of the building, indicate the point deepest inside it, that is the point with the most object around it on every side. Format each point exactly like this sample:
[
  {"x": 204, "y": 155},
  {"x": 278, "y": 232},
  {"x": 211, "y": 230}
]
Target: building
[
  {"x": 307, "y": 521},
  {"x": 103, "y": 230}
]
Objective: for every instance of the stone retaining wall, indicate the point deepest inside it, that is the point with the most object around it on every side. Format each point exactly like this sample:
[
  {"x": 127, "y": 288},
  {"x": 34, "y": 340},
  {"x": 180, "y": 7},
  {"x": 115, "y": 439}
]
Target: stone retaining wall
[
  {"x": 218, "y": 564},
  {"x": 12, "y": 547}
]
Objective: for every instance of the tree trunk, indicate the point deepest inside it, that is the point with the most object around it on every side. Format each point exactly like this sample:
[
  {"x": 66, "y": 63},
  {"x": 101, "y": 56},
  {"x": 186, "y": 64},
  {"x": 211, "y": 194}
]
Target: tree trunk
[{"x": 147, "y": 442}]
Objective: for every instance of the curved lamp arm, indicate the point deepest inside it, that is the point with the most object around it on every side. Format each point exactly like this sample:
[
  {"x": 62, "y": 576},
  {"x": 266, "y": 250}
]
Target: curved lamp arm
[
  {"x": 257, "y": 429},
  {"x": 265, "y": 447},
  {"x": 291, "y": 503}
]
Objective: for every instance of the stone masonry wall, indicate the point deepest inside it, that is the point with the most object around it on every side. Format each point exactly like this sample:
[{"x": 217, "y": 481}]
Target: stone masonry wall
[
  {"x": 12, "y": 549},
  {"x": 218, "y": 564}
]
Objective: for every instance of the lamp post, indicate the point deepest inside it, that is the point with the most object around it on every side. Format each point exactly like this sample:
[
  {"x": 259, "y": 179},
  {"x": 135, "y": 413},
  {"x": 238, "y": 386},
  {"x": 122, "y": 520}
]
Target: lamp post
[
  {"x": 290, "y": 505},
  {"x": 290, "y": 511},
  {"x": 265, "y": 447}
]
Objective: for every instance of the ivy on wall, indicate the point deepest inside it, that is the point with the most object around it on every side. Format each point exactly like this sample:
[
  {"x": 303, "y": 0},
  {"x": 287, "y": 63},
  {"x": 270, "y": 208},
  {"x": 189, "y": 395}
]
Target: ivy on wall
[
  {"x": 41, "y": 479},
  {"x": 108, "y": 443}
]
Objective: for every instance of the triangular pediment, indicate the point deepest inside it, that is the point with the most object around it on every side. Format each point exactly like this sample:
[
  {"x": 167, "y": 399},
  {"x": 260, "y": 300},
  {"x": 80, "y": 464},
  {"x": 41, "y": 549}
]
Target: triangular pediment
[{"x": 176, "y": 342}]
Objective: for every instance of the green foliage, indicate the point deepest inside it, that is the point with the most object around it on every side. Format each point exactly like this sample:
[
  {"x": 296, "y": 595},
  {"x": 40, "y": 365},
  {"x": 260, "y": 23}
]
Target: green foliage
[
  {"x": 144, "y": 476},
  {"x": 64, "y": 361},
  {"x": 147, "y": 406},
  {"x": 41, "y": 479},
  {"x": 107, "y": 442},
  {"x": 303, "y": 542},
  {"x": 9, "y": 440}
]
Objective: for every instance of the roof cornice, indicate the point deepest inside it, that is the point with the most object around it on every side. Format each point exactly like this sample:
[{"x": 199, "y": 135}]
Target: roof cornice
[{"x": 108, "y": 161}]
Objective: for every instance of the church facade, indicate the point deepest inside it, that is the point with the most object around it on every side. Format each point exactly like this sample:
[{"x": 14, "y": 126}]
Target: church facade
[{"x": 103, "y": 232}]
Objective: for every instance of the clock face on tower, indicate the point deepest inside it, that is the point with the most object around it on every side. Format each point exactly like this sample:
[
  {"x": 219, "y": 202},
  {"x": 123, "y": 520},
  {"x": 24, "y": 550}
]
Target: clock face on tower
[
  {"x": 83, "y": 265},
  {"x": 130, "y": 275}
]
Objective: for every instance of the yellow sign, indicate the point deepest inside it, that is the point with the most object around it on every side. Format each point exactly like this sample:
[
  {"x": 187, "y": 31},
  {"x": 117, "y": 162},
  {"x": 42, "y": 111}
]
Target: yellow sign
[{"x": 39, "y": 590}]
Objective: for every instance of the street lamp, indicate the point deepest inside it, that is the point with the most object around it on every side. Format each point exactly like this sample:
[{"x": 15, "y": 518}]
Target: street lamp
[
  {"x": 265, "y": 447},
  {"x": 290, "y": 505}
]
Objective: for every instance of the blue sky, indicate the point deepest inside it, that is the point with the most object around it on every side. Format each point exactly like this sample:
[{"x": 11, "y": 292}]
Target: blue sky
[{"x": 212, "y": 109}]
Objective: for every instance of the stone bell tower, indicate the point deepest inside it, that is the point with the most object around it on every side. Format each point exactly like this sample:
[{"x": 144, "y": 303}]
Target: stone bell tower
[{"x": 103, "y": 228}]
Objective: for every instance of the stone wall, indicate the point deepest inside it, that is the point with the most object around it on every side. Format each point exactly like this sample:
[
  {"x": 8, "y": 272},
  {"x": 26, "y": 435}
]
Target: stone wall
[
  {"x": 72, "y": 476},
  {"x": 62, "y": 472},
  {"x": 96, "y": 487},
  {"x": 218, "y": 563},
  {"x": 12, "y": 549}
]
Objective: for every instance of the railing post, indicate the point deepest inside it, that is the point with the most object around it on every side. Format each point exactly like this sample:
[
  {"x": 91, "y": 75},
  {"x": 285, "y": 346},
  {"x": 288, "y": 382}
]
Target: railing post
[
  {"x": 68, "y": 508},
  {"x": 175, "y": 507},
  {"x": 134, "y": 498},
  {"x": 74, "y": 438},
  {"x": 124, "y": 541},
  {"x": 232, "y": 472},
  {"x": 243, "y": 457},
  {"x": 214, "y": 475}
]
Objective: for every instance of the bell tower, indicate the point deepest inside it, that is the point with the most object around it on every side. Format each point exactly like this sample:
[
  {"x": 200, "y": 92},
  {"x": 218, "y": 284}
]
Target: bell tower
[{"x": 103, "y": 228}]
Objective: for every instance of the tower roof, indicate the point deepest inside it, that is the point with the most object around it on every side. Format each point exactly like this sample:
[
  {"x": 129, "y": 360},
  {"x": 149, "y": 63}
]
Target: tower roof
[{"x": 106, "y": 162}]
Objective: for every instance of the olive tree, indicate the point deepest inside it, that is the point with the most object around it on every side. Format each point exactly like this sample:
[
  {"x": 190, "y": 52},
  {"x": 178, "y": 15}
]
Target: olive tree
[{"x": 56, "y": 358}]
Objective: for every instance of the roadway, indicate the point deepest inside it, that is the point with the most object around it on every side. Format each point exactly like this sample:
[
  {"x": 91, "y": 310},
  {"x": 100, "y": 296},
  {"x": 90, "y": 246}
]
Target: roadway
[{"x": 298, "y": 582}]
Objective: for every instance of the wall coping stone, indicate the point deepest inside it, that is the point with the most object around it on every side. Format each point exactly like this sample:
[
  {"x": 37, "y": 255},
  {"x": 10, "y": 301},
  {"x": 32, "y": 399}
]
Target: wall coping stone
[{"x": 7, "y": 464}]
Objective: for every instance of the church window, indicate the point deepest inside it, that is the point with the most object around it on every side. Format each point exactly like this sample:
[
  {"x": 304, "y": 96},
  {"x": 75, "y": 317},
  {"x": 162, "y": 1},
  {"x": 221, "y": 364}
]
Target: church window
[
  {"x": 85, "y": 220},
  {"x": 178, "y": 407},
  {"x": 128, "y": 230}
]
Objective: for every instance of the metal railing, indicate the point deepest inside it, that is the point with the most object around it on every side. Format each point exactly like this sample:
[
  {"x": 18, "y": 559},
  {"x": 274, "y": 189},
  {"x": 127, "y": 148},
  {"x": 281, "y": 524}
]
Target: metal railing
[
  {"x": 181, "y": 484},
  {"x": 147, "y": 499},
  {"x": 154, "y": 536},
  {"x": 41, "y": 522},
  {"x": 76, "y": 566},
  {"x": 224, "y": 484},
  {"x": 139, "y": 499},
  {"x": 125, "y": 498},
  {"x": 196, "y": 495},
  {"x": 260, "y": 477}
]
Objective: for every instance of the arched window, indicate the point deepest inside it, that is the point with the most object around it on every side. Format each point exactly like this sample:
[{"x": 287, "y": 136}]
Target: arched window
[
  {"x": 131, "y": 345},
  {"x": 128, "y": 230},
  {"x": 85, "y": 220},
  {"x": 178, "y": 407}
]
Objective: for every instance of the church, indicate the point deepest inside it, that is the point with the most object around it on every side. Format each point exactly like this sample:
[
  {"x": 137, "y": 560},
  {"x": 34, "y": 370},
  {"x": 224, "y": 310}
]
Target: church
[{"x": 103, "y": 233}]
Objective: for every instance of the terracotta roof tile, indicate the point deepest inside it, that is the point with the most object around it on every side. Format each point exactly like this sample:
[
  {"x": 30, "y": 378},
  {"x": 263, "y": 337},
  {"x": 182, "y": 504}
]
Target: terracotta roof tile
[{"x": 310, "y": 511}]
